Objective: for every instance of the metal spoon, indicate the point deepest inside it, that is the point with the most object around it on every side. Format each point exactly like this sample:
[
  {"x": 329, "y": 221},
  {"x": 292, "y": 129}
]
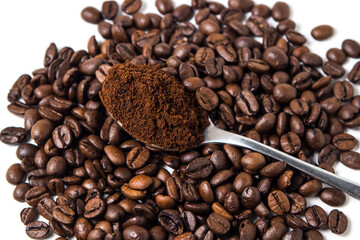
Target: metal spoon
[{"x": 212, "y": 134}]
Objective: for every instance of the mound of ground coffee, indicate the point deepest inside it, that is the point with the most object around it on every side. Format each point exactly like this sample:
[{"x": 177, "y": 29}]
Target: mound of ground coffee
[{"x": 153, "y": 106}]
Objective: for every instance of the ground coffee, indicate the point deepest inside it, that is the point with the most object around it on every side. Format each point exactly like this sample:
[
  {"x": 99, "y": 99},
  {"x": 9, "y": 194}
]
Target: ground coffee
[{"x": 153, "y": 106}]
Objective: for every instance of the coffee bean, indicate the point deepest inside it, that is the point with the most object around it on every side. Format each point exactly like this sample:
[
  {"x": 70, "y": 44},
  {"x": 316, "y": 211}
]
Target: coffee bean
[
  {"x": 135, "y": 231},
  {"x": 218, "y": 224},
  {"x": 337, "y": 221},
  {"x": 13, "y": 135},
  {"x": 131, "y": 6},
  {"x": 322, "y": 32},
  {"x": 91, "y": 15},
  {"x": 37, "y": 230},
  {"x": 295, "y": 37},
  {"x": 171, "y": 221},
  {"x": 354, "y": 75},
  {"x": 316, "y": 217},
  {"x": 351, "y": 48},
  {"x": 276, "y": 58},
  {"x": 310, "y": 188},
  {"x": 278, "y": 202},
  {"x": 276, "y": 231},
  {"x": 109, "y": 9},
  {"x": 206, "y": 98},
  {"x": 344, "y": 142},
  {"x": 280, "y": 11},
  {"x": 28, "y": 215},
  {"x": 15, "y": 174},
  {"x": 333, "y": 197},
  {"x": 199, "y": 168},
  {"x": 94, "y": 207},
  {"x": 336, "y": 55}
]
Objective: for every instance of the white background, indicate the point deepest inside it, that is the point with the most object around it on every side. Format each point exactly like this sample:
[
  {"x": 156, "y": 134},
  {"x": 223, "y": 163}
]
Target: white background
[{"x": 28, "y": 27}]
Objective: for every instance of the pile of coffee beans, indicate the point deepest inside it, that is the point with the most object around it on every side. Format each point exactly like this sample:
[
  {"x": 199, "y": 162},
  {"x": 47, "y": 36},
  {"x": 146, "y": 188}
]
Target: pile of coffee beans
[{"x": 91, "y": 180}]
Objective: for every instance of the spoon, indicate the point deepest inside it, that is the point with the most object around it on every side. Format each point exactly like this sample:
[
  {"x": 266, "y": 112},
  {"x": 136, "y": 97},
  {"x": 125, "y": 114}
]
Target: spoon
[{"x": 213, "y": 134}]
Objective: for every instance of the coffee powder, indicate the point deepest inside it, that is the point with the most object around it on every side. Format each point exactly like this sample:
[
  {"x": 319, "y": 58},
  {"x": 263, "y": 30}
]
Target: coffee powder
[{"x": 153, "y": 106}]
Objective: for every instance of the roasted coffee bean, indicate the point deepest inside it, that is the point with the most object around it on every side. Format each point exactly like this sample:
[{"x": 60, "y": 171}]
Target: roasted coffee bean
[
  {"x": 336, "y": 55},
  {"x": 171, "y": 221},
  {"x": 15, "y": 174},
  {"x": 354, "y": 75},
  {"x": 94, "y": 208},
  {"x": 278, "y": 202},
  {"x": 135, "y": 231},
  {"x": 322, "y": 32},
  {"x": 337, "y": 222},
  {"x": 28, "y": 215},
  {"x": 310, "y": 188},
  {"x": 206, "y": 98},
  {"x": 333, "y": 197},
  {"x": 350, "y": 159},
  {"x": 297, "y": 202},
  {"x": 284, "y": 92},
  {"x": 295, "y": 37},
  {"x": 131, "y": 6},
  {"x": 280, "y": 11},
  {"x": 199, "y": 168},
  {"x": 316, "y": 217},
  {"x": 290, "y": 143},
  {"x": 13, "y": 135},
  {"x": 276, "y": 58},
  {"x": 276, "y": 231},
  {"x": 218, "y": 224},
  {"x": 247, "y": 103},
  {"x": 91, "y": 15},
  {"x": 109, "y": 9},
  {"x": 20, "y": 191},
  {"x": 37, "y": 230},
  {"x": 351, "y": 48},
  {"x": 344, "y": 142}
]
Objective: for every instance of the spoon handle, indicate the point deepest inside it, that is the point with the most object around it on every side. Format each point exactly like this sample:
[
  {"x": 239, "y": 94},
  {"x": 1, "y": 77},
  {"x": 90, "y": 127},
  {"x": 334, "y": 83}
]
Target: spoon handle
[{"x": 213, "y": 134}]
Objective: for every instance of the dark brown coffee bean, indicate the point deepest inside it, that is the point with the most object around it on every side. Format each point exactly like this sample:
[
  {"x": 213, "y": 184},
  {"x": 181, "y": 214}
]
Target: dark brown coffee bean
[
  {"x": 333, "y": 69},
  {"x": 336, "y": 55},
  {"x": 329, "y": 155},
  {"x": 316, "y": 217},
  {"x": 218, "y": 224},
  {"x": 91, "y": 15},
  {"x": 276, "y": 231},
  {"x": 37, "y": 230},
  {"x": 199, "y": 168},
  {"x": 63, "y": 214},
  {"x": 333, "y": 197},
  {"x": 276, "y": 58},
  {"x": 247, "y": 103},
  {"x": 131, "y": 6},
  {"x": 354, "y": 75},
  {"x": 344, "y": 142},
  {"x": 350, "y": 159},
  {"x": 13, "y": 135},
  {"x": 109, "y": 9},
  {"x": 297, "y": 202},
  {"x": 310, "y": 188},
  {"x": 337, "y": 221},
  {"x": 206, "y": 98},
  {"x": 171, "y": 221},
  {"x": 280, "y": 11},
  {"x": 351, "y": 48},
  {"x": 28, "y": 215},
  {"x": 94, "y": 208},
  {"x": 295, "y": 37},
  {"x": 290, "y": 143},
  {"x": 322, "y": 32}
]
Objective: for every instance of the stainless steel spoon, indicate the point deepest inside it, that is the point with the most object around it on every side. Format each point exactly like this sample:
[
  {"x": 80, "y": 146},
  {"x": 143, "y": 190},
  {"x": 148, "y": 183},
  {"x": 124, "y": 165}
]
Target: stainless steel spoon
[{"x": 212, "y": 134}]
